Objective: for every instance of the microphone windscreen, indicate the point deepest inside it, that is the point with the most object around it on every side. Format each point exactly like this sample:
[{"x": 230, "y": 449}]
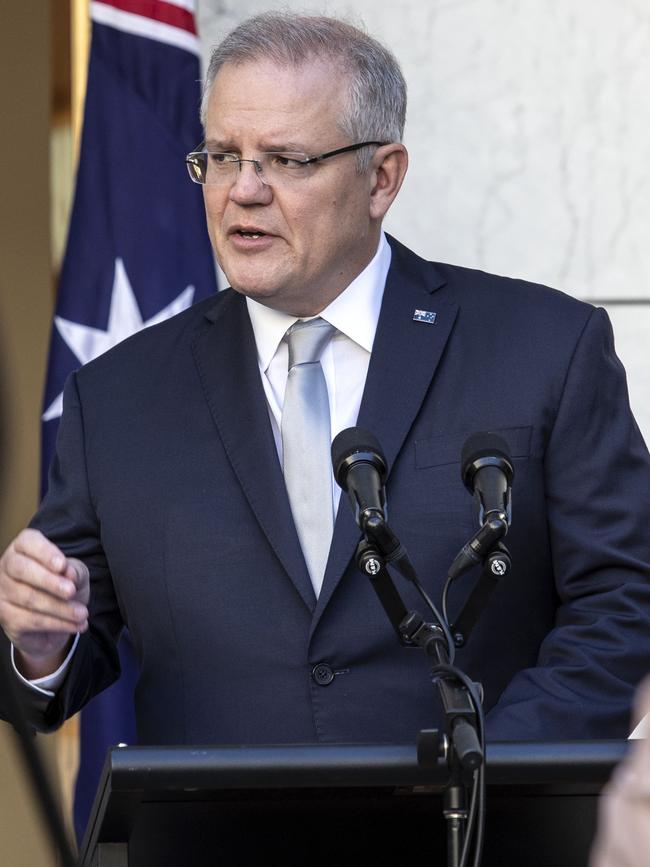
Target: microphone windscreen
[
  {"x": 352, "y": 441},
  {"x": 484, "y": 445}
]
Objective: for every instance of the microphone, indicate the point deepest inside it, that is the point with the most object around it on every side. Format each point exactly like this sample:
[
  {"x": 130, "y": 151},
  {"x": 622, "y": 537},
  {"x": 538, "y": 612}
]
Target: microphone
[
  {"x": 360, "y": 469},
  {"x": 487, "y": 473}
]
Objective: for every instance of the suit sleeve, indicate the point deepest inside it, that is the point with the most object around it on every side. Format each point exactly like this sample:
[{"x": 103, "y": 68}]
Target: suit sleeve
[
  {"x": 67, "y": 516},
  {"x": 597, "y": 479}
]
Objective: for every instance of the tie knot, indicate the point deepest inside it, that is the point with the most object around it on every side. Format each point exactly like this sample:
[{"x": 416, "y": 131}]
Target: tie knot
[{"x": 307, "y": 340}]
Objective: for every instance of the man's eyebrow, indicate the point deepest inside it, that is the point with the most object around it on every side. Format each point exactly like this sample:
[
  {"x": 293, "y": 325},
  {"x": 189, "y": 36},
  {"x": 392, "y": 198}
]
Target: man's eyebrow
[
  {"x": 285, "y": 147},
  {"x": 226, "y": 146},
  {"x": 213, "y": 144}
]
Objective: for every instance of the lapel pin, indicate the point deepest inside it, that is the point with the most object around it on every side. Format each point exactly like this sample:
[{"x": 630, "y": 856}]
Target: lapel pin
[{"x": 425, "y": 316}]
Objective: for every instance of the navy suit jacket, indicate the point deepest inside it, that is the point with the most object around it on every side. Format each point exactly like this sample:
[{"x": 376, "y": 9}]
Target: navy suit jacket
[{"x": 167, "y": 484}]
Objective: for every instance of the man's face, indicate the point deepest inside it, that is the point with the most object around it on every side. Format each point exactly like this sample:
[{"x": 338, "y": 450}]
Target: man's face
[{"x": 293, "y": 247}]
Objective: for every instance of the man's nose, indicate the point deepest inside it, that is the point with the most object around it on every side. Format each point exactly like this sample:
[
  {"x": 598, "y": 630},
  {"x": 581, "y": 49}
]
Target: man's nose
[{"x": 248, "y": 186}]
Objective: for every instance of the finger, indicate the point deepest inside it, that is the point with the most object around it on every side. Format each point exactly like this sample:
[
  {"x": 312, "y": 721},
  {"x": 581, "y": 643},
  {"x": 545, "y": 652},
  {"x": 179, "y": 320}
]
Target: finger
[
  {"x": 23, "y": 622},
  {"x": 642, "y": 701},
  {"x": 25, "y": 570},
  {"x": 77, "y": 572},
  {"x": 32, "y": 543},
  {"x": 27, "y": 599}
]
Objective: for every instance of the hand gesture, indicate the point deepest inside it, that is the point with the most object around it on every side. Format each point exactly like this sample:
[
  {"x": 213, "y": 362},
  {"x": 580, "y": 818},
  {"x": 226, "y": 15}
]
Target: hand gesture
[{"x": 43, "y": 601}]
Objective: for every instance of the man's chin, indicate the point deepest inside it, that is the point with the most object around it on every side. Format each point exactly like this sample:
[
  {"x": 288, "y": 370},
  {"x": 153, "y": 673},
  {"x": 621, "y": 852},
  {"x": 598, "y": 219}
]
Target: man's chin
[
  {"x": 279, "y": 299},
  {"x": 262, "y": 294},
  {"x": 269, "y": 296}
]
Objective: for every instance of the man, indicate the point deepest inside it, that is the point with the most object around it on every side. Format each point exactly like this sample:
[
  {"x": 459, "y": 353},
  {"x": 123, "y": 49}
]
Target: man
[{"x": 169, "y": 510}]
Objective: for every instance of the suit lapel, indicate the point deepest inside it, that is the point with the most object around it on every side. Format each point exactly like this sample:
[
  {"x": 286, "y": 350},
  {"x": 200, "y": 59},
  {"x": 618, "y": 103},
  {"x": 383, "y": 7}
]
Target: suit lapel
[
  {"x": 226, "y": 360},
  {"x": 404, "y": 359}
]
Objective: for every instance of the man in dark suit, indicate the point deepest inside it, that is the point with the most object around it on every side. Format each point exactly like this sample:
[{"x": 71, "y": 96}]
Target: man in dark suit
[{"x": 168, "y": 508}]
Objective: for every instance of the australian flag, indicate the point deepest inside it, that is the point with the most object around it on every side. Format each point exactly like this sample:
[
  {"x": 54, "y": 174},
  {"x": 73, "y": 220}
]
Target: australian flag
[{"x": 138, "y": 250}]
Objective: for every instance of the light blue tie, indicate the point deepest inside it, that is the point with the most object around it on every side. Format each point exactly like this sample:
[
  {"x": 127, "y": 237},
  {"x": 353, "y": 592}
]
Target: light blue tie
[{"x": 306, "y": 443}]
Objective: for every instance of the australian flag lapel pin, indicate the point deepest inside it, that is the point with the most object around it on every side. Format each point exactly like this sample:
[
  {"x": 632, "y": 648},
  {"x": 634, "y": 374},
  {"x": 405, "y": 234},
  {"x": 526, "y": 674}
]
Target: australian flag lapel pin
[{"x": 427, "y": 316}]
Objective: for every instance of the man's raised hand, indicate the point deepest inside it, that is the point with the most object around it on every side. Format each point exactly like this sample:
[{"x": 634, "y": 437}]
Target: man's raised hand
[{"x": 43, "y": 602}]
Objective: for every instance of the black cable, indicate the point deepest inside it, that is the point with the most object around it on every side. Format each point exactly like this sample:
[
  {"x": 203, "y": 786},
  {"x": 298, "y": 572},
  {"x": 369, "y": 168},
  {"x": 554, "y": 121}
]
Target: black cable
[
  {"x": 480, "y": 828},
  {"x": 469, "y": 828},
  {"x": 441, "y": 621},
  {"x": 445, "y": 592}
]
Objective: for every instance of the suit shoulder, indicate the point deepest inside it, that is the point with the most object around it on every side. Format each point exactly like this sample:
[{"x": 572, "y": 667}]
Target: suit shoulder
[
  {"x": 492, "y": 294},
  {"x": 474, "y": 283},
  {"x": 158, "y": 341}
]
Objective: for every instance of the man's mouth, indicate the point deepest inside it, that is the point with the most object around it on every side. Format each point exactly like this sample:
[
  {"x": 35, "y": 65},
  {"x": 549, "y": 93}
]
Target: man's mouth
[{"x": 243, "y": 233}]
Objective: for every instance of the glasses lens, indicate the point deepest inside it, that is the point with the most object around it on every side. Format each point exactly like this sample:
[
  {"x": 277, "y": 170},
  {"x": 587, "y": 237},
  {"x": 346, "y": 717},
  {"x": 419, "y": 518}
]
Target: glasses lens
[
  {"x": 284, "y": 168},
  {"x": 197, "y": 167},
  {"x": 206, "y": 167},
  {"x": 221, "y": 168}
]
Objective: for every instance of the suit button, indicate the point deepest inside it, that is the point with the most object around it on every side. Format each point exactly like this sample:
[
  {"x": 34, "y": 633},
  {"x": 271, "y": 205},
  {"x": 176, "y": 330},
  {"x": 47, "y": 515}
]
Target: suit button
[{"x": 322, "y": 674}]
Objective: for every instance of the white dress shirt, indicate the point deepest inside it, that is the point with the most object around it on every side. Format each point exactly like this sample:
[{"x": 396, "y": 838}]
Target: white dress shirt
[{"x": 354, "y": 313}]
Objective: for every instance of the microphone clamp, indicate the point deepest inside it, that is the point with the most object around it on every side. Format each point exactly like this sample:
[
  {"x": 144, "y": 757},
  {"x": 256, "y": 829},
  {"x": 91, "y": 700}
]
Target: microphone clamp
[{"x": 480, "y": 545}]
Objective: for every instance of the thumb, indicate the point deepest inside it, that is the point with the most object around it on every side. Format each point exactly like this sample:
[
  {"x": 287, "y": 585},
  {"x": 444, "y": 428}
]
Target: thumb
[{"x": 77, "y": 572}]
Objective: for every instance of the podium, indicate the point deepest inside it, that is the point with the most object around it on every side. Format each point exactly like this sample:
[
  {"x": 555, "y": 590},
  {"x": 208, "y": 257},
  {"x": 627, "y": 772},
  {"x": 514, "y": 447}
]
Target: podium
[{"x": 338, "y": 805}]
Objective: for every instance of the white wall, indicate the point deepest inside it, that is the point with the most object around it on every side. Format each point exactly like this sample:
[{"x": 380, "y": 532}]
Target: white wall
[{"x": 529, "y": 135}]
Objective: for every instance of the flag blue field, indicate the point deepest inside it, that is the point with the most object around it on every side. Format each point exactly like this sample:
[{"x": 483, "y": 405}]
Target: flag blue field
[{"x": 137, "y": 251}]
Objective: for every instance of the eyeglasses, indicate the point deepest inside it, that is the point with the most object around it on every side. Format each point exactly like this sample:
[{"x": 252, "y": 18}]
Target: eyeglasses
[{"x": 275, "y": 168}]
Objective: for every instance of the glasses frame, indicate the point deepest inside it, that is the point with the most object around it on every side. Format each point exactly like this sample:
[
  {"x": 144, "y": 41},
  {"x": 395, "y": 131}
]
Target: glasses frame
[{"x": 258, "y": 166}]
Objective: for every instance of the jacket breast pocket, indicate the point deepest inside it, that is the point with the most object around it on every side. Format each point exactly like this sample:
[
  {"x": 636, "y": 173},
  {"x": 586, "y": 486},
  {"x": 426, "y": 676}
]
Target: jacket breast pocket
[{"x": 446, "y": 449}]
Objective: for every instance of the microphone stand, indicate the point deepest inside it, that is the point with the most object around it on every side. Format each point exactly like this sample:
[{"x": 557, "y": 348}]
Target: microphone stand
[
  {"x": 496, "y": 565},
  {"x": 461, "y": 744}
]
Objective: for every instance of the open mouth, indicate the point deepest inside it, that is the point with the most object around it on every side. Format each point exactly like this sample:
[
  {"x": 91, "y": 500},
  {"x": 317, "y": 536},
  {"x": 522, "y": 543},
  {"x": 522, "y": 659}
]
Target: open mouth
[{"x": 244, "y": 234}]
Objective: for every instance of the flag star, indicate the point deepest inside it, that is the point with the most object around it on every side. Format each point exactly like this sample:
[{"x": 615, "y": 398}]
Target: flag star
[{"x": 124, "y": 319}]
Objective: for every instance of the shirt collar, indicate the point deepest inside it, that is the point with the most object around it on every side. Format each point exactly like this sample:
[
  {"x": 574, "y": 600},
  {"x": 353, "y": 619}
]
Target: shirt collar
[{"x": 355, "y": 312}]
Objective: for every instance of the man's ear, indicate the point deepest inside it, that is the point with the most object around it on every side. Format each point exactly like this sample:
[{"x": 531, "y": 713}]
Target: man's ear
[{"x": 387, "y": 171}]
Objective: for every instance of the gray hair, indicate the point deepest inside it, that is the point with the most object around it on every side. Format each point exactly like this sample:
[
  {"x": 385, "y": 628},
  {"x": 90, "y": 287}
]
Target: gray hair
[{"x": 376, "y": 99}]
